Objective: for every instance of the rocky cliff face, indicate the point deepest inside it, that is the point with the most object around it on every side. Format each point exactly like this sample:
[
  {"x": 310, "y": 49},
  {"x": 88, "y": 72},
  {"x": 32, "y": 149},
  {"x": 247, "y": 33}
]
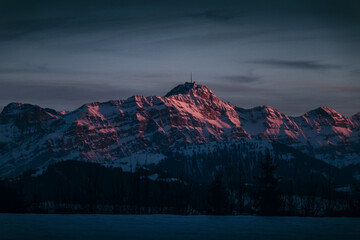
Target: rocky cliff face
[{"x": 111, "y": 132}]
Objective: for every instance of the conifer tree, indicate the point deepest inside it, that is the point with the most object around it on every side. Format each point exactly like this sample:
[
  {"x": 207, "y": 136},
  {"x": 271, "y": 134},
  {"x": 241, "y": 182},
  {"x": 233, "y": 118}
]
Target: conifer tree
[
  {"x": 268, "y": 195},
  {"x": 218, "y": 201}
]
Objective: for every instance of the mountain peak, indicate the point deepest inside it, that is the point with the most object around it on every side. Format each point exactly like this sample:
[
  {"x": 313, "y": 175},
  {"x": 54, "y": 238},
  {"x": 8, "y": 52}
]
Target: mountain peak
[
  {"x": 192, "y": 89},
  {"x": 325, "y": 112},
  {"x": 15, "y": 107},
  {"x": 183, "y": 89}
]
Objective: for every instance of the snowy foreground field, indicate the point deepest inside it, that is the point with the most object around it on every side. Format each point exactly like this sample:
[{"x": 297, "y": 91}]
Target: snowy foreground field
[{"x": 38, "y": 226}]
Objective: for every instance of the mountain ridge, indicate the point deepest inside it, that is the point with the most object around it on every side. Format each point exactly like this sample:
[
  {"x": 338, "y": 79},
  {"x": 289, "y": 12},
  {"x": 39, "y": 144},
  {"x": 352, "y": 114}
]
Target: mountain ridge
[{"x": 188, "y": 114}]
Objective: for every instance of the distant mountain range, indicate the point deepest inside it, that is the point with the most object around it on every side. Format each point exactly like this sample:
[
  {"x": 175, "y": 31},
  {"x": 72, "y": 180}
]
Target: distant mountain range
[{"x": 188, "y": 120}]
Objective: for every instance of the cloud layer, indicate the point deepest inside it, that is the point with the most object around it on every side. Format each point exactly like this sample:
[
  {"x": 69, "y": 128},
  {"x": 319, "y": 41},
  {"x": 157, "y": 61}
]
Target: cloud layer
[
  {"x": 302, "y": 64},
  {"x": 293, "y": 55}
]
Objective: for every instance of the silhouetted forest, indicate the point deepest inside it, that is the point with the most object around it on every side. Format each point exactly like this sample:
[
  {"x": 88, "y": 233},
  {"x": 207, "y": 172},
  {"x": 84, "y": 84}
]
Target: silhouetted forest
[{"x": 79, "y": 187}]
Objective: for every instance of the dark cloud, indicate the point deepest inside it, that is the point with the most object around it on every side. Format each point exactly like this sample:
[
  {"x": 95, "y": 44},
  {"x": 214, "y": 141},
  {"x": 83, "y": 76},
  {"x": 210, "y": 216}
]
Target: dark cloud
[
  {"x": 216, "y": 15},
  {"x": 242, "y": 78},
  {"x": 28, "y": 27},
  {"x": 346, "y": 10},
  {"x": 224, "y": 89},
  {"x": 303, "y": 64},
  {"x": 338, "y": 88}
]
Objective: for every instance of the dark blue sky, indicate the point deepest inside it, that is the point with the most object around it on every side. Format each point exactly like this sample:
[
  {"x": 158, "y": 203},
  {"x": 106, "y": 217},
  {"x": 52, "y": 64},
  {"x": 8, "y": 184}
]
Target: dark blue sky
[{"x": 292, "y": 55}]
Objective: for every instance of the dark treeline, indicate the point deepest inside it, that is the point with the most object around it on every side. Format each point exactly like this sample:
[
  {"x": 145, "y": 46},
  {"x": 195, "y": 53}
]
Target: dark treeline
[
  {"x": 73, "y": 186},
  {"x": 79, "y": 187}
]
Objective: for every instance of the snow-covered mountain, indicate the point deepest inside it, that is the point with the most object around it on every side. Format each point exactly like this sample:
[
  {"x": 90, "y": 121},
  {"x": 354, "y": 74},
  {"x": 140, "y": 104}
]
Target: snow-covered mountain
[{"x": 114, "y": 132}]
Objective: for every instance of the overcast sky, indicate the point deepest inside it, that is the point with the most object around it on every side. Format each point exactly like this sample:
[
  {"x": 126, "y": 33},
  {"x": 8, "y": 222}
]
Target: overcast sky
[{"x": 292, "y": 55}]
